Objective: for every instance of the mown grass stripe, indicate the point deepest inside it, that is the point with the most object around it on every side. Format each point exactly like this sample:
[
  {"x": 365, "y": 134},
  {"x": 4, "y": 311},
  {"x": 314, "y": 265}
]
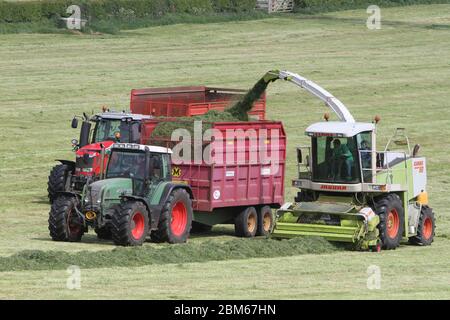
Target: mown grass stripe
[{"x": 166, "y": 254}]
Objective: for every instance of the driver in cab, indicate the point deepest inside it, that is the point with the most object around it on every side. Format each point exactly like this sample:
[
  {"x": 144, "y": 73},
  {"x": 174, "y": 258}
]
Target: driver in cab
[{"x": 341, "y": 158}]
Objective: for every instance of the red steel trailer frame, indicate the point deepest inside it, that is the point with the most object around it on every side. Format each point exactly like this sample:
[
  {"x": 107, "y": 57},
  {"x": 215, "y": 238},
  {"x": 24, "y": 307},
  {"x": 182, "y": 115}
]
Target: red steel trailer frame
[
  {"x": 223, "y": 190},
  {"x": 189, "y": 101}
]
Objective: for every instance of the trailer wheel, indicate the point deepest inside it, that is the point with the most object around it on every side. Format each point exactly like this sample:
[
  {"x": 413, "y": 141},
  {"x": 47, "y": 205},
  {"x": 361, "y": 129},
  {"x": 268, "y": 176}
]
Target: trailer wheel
[
  {"x": 265, "y": 221},
  {"x": 426, "y": 228},
  {"x": 64, "y": 223},
  {"x": 103, "y": 233},
  {"x": 246, "y": 223},
  {"x": 57, "y": 180},
  {"x": 130, "y": 224},
  {"x": 392, "y": 215},
  {"x": 176, "y": 219}
]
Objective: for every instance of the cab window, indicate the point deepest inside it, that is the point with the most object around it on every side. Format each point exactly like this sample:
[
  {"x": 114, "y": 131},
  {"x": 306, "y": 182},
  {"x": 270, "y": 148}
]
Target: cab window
[{"x": 335, "y": 160}]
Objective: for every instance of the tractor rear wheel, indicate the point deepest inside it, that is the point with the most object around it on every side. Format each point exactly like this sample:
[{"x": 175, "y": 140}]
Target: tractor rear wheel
[
  {"x": 103, "y": 233},
  {"x": 265, "y": 221},
  {"x": 425, "y": 230},
  {"x": 57, "y": 180},
  {"x": 130, "y": 224},
  {"x": 64, "y": 223},
  {"x": 175, "y": 221},
  {"x": 392, "y": 215},
  {"x": 246, "y": 223}
]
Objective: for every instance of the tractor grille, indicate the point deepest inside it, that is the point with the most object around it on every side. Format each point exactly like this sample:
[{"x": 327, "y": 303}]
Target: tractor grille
[{"x": 83, "y": 163}]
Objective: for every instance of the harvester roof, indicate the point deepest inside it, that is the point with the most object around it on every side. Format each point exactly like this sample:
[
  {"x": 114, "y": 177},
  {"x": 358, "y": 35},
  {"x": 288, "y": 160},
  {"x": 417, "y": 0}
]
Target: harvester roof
[{"x": 339, "y": 128}]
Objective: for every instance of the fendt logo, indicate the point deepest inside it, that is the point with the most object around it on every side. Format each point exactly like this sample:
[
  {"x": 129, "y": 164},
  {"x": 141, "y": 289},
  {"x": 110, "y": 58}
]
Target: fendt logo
[{"x": 333, "y": 188}]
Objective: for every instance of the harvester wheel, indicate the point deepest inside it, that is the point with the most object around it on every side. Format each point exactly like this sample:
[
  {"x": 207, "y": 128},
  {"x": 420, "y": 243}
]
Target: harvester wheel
[
  {"x": 176, "y": 219},
  {"x": 198, "y": 227},
  {"x": 64, "y": 223},
  {"x": 265, "y": 221},
  {"x": 57, "y": 180},
  {"x": 391, "y": 226},
  {"x": 130, "y": 224},
  {"x": 103, "y": 233},
  {"x": 426, "y": 228},
  {"x": 246, "y": 223}
]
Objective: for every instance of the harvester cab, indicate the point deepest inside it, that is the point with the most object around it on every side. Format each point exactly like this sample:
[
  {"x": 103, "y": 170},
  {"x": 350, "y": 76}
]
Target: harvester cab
[
  {"x": 91, "y": 159},
  {"x": 136, "y": 198},
  {"x": 350, "y": 191}
]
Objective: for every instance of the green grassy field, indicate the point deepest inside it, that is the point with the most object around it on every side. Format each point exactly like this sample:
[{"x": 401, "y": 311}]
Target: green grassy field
[{"x": 400, "y": 72}]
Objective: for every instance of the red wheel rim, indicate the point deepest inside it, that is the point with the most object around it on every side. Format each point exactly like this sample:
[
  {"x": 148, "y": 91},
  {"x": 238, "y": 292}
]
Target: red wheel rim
[
  {"x": 393, "y": 224},
  {"x": 179, "y": 219},
  {"x": 138, "y": 225},
  {"x": 427, "y": 229}
]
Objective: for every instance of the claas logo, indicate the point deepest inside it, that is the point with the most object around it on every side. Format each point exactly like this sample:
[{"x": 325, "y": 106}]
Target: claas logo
[{"x": 176, "y": 172}]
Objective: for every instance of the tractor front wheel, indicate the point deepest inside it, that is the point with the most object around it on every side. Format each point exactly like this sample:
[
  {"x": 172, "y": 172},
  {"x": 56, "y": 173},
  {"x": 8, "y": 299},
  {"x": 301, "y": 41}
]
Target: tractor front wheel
[
  {"x": 64, "y": 222},
  {"x": 246, "y": 223},
  {"x": 175, "y": 221},
  {"x": 425, "y": 229},
  {"x": 392, "y": 220},
  {"x": 130, "y": 224},
  {"x": 57, "y": 181}
]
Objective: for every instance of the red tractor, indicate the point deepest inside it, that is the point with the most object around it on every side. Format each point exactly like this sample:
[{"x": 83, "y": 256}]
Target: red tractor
[{"x": 109, "y": 127}]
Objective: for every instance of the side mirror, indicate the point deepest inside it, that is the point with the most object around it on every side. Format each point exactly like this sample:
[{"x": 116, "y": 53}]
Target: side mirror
[
  {"x": 307, "y": 160},
  {"x": 74, "y": 123},
  {"x": 299, "y": 156}
]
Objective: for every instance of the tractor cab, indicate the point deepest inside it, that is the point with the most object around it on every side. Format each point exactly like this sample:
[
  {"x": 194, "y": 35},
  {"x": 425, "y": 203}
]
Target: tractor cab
[
  {"x": 340, "y": 153},
  {"x": 91, "y": 159},
  {"x": 146, "y": 166},
  {"x": 109, "y": 126}
]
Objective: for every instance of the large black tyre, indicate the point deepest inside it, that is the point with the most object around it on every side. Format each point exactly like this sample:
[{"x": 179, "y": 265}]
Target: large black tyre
[
  {"x": 64, "y": 223},
  {"x": 246, "y": 223},
  {"x": 103, "y": 233},
  {"x": 265, "y": 221},
  {"x": 392, "y": 220},
  {"x": 425, "y": 229},
  {"x": 175, "y": 221},
  {"x": 198, "y": 227},
  {"x": 130, "y": 224},
  {"x": 57, "y": 181}
]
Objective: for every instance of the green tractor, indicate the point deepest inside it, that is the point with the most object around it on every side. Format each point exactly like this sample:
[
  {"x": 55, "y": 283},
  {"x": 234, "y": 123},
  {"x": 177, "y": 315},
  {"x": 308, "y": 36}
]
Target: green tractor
[
  {"x": 137, "y": 198},
  {"x": 353, "y": 193}
]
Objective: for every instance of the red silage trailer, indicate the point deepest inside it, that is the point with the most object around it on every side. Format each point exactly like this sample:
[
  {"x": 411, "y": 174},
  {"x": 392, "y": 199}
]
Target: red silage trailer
[
  {"x": 189, "y": 101},
  {"x": 241, "y": 180}
]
